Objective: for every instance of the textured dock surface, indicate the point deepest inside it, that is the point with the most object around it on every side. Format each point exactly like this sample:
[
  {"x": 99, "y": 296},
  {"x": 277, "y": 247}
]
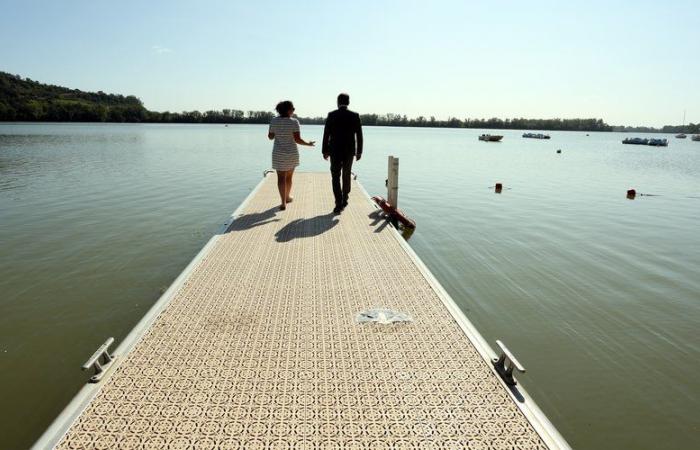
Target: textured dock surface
[{"x": 259, "y": 348}]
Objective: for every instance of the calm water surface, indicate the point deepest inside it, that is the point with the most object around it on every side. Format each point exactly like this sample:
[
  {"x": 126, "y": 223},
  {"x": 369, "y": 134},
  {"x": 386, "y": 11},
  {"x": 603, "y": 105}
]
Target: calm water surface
[{"x": 598, "y": 296}]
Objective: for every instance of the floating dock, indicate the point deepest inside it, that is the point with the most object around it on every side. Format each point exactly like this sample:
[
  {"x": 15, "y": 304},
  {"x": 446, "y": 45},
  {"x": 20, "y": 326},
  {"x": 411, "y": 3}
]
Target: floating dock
[{"x": 257, "y": 345}]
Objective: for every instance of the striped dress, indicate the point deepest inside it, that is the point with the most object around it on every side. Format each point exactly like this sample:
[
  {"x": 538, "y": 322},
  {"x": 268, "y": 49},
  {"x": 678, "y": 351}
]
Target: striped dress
[{"x": 285, "y": 155}]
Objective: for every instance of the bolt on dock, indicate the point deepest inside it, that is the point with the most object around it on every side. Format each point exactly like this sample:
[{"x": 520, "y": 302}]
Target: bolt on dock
[{"x": 267, "y": 341}]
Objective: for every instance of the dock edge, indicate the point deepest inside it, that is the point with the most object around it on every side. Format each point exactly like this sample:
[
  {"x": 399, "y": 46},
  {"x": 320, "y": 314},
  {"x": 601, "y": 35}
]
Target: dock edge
[
  {"x": 63, "y": 422},
  {"x": 534, "y": 415},
  {"x": 60, "y": 426}
]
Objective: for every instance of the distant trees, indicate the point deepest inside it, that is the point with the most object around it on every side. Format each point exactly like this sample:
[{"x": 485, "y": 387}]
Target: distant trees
[
  {"x": 211, "y": 116},
  {"x": 691, "y": 128},
  {"x": 28, "y": 100},
  {"x": 398, "y": 120}
]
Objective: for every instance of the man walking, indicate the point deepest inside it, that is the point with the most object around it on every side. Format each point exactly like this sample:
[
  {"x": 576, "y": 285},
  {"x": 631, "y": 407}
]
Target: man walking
[{"x": 342, "y": 141}]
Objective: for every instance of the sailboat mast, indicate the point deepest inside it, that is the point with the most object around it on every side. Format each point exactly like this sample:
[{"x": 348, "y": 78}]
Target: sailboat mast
[{"x": 681, "y": 135}]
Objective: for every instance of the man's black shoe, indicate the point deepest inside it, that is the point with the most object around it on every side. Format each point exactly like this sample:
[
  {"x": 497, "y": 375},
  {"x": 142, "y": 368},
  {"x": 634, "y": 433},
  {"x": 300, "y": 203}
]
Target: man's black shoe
[
  {"x": 345, "y": 203},
  {"x": 337, "y": 210}
]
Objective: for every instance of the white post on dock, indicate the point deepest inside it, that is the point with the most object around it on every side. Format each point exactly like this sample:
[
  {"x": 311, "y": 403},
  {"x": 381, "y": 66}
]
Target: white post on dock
[{"x": 392, "y": 183}]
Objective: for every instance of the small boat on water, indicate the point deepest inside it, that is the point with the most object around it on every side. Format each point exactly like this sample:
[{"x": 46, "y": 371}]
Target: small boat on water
[
  {"x": 658, "y": 142},
  {"x": 536, "y": 136},
  {"x": 490, "y": 137},
  {"x": 636, "y": 141},
  {"x": 654, "y": 142},
  {"x": 696, "y": 137}
]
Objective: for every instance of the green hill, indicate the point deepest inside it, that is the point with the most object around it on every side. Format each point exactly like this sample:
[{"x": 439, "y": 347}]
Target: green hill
[
  {"x": 22, "y": 99},
  {"x": 28, "y": 100}
]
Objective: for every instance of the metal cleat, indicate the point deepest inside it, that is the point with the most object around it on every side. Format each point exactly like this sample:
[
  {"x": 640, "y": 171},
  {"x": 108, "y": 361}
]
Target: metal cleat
[
  {"x": 94, "y": 361},
  {"x": 505, "y": 364}
]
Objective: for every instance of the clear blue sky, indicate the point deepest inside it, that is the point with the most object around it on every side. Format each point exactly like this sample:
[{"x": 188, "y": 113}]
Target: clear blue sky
[{"x": 629, "y": 62}]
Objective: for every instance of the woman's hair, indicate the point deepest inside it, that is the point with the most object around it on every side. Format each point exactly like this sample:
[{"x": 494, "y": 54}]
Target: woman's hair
[{"x": 284, "y": 107}]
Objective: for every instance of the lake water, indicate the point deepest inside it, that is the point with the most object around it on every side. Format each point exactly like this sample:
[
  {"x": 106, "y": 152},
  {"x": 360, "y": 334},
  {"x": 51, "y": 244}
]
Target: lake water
[{"x": 597, "y": 295}]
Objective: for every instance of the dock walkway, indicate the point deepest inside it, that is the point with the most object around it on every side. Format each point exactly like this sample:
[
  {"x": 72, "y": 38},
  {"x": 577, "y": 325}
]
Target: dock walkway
[{"x": 257, "y": 346}]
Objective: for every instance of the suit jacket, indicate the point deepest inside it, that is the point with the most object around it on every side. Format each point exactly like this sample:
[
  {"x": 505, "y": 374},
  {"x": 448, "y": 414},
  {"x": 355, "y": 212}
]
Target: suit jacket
[{"x": 342, "y": 135}]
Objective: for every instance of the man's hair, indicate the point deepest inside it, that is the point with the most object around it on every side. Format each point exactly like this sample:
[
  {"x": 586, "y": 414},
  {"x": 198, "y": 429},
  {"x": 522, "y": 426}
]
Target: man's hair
[
  {"x": 343, "y": 99},
  {"x": 284, "y": 107}
]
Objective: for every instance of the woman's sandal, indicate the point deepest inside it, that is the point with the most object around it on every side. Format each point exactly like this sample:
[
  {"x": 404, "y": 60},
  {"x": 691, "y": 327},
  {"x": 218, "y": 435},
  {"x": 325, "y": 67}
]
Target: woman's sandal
[
  {"x": 282, "y": 207},
  {"x": 290, "y": 199}
]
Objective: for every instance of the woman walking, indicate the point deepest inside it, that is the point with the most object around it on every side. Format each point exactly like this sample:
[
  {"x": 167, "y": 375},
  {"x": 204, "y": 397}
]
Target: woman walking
[{"x": 284, "y": 129}]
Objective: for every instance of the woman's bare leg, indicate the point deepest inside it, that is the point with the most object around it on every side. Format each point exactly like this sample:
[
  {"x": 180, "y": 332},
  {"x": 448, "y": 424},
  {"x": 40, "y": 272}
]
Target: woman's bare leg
[
  {"x": 288, "y": 185},
  {"x": 282, "y": 187}
]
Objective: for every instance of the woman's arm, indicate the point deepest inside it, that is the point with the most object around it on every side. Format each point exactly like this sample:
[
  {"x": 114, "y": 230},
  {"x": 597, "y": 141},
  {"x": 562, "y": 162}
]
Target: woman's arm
[
  {"x": 270, "y": 135},
  {"x": 300, "y": 141}
]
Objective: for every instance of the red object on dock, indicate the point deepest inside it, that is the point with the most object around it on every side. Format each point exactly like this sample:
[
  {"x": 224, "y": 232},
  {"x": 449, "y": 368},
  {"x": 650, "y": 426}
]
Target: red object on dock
[
  {"x": 499, "y": 188},
  {"x": 631, "y": 193},
  {"x": 394, "y": 213}
]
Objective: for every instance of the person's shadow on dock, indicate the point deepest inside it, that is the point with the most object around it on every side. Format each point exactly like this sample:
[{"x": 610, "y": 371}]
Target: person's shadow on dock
[
  {"x": 378, "y": 222},
  {"x": 303, "y": 228},
  {"x": 247, "y": 221}
]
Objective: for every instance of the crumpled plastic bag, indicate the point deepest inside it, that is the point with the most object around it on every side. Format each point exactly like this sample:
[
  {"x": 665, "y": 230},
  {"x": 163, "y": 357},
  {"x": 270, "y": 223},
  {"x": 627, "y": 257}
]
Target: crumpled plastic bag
[{"x": 382, "y": 316}]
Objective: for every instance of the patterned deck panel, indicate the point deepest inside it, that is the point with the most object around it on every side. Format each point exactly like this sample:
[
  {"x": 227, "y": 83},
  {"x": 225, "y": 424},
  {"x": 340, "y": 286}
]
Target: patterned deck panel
[{"x": 260, "y": 349}]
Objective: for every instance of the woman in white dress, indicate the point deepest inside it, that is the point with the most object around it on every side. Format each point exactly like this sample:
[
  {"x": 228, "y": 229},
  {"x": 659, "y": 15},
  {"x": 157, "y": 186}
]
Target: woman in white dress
[{"x": 284, "y": 129}]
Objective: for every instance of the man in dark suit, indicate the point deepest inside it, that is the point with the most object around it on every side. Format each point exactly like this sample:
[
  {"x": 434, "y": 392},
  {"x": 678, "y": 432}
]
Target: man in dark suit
[{"x": 342, "y": 142}]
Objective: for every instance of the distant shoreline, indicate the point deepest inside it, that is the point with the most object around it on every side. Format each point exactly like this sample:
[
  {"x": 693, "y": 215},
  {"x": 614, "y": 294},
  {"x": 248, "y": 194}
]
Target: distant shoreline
[
  {"x": 28, "y": 101},
  {"x": 669, "y": 129},
  {"x": 44, "y": 122}
]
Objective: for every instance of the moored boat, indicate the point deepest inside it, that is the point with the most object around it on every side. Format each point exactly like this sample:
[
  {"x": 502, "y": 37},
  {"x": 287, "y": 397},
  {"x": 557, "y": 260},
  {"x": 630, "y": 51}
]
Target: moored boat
[
  {"x": 696, "y": 137},
  {"x": 636, "y": 141},
  {"x": 536, "y": 136},
  {"x": 658, "y": 142},
  {"x": 490, "y": 137},
  {"x": 682, "y": 135},
  {"x": 654, "y": 142}
]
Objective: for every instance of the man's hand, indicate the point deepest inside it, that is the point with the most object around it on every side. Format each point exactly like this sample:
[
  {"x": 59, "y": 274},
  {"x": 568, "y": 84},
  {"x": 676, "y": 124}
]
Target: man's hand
[
  {"x": 358, "y": 157},
  {"x": 311, "y": 143},
  {"x": 325, "y": 156}
]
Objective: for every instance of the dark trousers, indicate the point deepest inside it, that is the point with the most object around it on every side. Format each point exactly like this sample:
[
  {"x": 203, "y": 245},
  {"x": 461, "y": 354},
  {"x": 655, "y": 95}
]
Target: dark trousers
[{"x": 341, "y": 166}]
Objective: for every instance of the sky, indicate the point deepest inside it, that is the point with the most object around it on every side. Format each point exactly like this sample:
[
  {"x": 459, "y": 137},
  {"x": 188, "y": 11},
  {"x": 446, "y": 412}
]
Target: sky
[{"x": 627, "y": 62}]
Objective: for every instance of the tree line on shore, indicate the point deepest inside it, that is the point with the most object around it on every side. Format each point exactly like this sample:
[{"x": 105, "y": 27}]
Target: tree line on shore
[
  {"x": 23, "y": 99},
  {"x": 691, "y": 128},
  {"x": 397, "y": 120},
  {"x": 231, "y": 116}
]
